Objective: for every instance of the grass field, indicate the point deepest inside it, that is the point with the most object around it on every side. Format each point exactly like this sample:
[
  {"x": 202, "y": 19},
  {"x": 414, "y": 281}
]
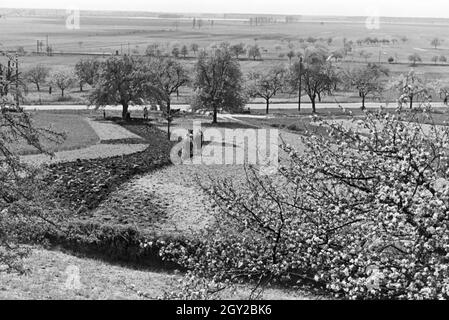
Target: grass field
[
  {"x": 49, "y": 271},
  {"x": 78, "y": 133}
]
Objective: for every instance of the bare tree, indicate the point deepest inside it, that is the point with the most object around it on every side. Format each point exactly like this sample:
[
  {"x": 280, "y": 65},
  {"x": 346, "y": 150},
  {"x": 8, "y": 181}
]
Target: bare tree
[
  {"x": 435, "y": 59},
  {"x": 254, "y": 52},
  {"x": 37, "y": 75},
  {"x": 436, "y": 42},
  {"x": 414, "y": 58},
  {"x": 317, "y": 75},
  {"x": 268, "y": 84},
  {"x": 162, "y": 77},
  {"x": 367, "y": 81},
  {"x": 63, "y": 80}
]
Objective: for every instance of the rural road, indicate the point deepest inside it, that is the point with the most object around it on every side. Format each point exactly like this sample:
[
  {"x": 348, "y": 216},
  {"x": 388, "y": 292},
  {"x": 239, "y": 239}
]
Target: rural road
[{"x": 253, "y": 106}]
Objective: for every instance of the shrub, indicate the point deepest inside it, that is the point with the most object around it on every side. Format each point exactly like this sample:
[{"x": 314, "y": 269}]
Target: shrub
[{"x": 113, "y": 243}]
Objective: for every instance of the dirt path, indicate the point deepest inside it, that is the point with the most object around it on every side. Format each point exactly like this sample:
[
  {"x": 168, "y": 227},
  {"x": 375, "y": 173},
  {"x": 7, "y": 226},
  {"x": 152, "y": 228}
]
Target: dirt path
[{"x": 108, "y": 130}]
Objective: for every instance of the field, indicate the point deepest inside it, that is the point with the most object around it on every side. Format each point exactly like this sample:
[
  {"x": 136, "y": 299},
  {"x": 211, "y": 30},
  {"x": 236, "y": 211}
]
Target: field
[
  {"x": 77, "y": 133},
  {"x": 49, "y": 272},
  {"x": 104, "y": 34}
]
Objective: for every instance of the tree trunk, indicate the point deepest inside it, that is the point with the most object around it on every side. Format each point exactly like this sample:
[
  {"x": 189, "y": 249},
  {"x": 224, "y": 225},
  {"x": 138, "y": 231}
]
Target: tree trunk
[
  {"x": 124, "y": 110},
  {"x": 363, "y": 101},
  {"x": 168, "y": 119},
  {"x": 411, "y": 102},
  {"x": 38, "y": 87},
  {"x": 81, "y": 87},
  {"x": 268, "y": 106},
  {"x": 62, "y": 92},
  {"x": 299, "y": 94},
  {"x": 313, "y": 100},
  {"x": 215, "y": 115}
]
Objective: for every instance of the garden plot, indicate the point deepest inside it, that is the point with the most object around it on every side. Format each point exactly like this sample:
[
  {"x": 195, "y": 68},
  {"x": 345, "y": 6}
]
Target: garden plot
[
  {"x": 168, "y": 201},
  {"x": 99, "y": 151},
  {"x": 113, "y": 142}
]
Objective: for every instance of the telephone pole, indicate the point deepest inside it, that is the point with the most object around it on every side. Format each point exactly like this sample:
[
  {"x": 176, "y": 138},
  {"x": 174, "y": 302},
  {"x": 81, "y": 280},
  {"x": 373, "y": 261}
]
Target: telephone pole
[
  {"x": 300, "y": 84},
  {"x": 17, "y": 82}
]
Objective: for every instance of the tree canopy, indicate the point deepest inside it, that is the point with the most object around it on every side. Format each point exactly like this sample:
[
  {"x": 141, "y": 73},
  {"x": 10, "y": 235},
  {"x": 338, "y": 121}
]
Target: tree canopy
[
  {"x": 267, "y": 84},
  {"x": 86, "y": 71},
  {"x": 162, "y": 77},
  {"x": 63, "y": 79},
  {"x": 366, "y": 80},
  {"x": 37, "y": 75},
  {"x": 317, "y": 74},
  {"x": 411, "y": 88},
  {"x": 118, "y": 82},
  {"x": 218, "y": 82}
]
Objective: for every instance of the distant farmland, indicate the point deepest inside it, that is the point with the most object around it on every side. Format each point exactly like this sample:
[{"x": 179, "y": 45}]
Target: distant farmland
[{"x": 103, "y": 34}]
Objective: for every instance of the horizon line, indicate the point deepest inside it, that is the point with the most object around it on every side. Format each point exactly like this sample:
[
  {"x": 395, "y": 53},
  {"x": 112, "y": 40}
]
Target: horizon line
[{"x": 224, "y": 13}]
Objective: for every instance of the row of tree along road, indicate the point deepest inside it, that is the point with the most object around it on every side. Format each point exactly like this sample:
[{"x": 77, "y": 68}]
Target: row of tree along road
[{"x": 219, "y": 84}]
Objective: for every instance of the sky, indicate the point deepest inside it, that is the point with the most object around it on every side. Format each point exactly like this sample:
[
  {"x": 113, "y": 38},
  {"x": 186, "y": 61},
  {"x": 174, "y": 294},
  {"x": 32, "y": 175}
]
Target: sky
[{"x": 392, "y": 8}]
